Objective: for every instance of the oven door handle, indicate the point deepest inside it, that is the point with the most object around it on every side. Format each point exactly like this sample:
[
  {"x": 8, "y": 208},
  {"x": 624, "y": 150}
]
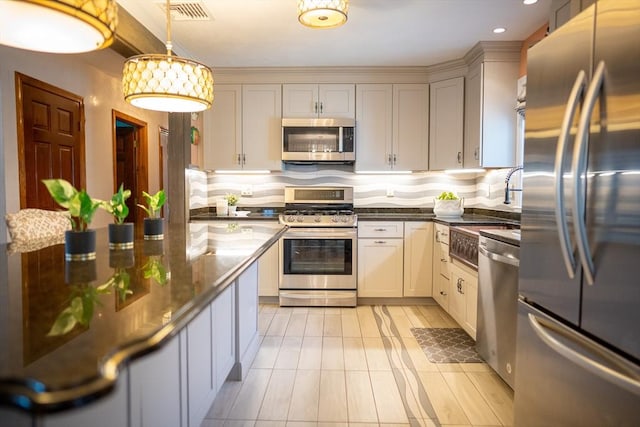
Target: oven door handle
[{"x": 319, "y": 233}]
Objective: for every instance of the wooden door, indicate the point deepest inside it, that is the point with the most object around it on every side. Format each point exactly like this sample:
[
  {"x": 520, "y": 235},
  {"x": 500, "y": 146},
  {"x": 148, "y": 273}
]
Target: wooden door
[
  {"x": 130, "y": 163},
  {"x": 50, "y": 139}
]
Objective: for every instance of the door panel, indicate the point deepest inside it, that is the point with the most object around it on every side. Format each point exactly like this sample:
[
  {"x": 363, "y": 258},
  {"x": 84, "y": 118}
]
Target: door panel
[
  {"x": 613, "y": 205},
  {"x": 544, "y": 279},
  {"x": 51, "y": 139}
]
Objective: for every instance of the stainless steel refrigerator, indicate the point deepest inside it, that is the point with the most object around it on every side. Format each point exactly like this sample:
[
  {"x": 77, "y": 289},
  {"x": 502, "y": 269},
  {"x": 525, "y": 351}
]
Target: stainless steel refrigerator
[{"x": 578, "y": 332}]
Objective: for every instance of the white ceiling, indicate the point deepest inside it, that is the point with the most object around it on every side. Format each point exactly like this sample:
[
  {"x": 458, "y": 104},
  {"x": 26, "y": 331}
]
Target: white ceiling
[{"x": 266, "y": 33}]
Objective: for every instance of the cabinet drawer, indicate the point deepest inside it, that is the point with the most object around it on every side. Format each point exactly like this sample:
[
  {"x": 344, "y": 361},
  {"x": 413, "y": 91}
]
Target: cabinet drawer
[
  {"x": 381, "y": 229},
  {"x": 442, "y": 234}
]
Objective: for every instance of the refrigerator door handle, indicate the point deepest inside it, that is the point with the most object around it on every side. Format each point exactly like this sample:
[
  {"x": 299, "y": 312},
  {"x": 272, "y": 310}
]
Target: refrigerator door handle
[
  {"x": 619, "y": 371},
  {"x": 577, "y": 92},
  {"x": 579, "y": 167}
]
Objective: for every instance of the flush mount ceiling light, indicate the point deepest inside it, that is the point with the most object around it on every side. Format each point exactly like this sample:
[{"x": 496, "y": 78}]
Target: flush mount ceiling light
[
  {"x": 166, "y": 82},
  {"x": 58, "y": 26},
  {"x": 322, "y": 13}
]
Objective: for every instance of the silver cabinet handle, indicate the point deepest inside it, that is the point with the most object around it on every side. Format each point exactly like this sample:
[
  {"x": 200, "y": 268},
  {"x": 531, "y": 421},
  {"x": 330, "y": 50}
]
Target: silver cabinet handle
[
  {"x": 620, "y": 376},
  {"x": 379, "y": 229},
  {"x": 579, "y": 167},
  {"x": 438, "y": 236},
  {"x": 395, "y": 159},
  {"x": 443, "y": 260},
  {"x": 443, "y": 293},
  {"x": 577, "y": 92},
  {"x": 380, "y": 242},
  {"x": 239, "y": 159},
  {"x": 315, "y": 107},
  {"x": 321, "y": 107},
  {"x": 498, "y": 258},
  {"x": 244, "y": 159},
  {"x": 389, "y": 159},
  {"x": 459, "y": 157},
  {"x": 476, "y": 153}
]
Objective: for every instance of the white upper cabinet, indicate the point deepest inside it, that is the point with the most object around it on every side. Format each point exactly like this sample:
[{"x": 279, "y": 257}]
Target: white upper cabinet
[
  {"x": 374, "y": 128},
  {"x": 262, "y": 126},
  {"x": 392, "y": 127},
  {"x": 490, "y": 117},
  {"x": 312, "y": 100},
  {"x": 411, "y": 127},
  {"x": 242, "y": 130},
  {"x": 446, "y": 124},
  {"x": 223, "y": 129}
]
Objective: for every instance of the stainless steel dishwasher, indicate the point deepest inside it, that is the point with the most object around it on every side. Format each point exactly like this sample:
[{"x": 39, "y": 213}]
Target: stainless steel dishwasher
[{"x": 498, "y": 264}]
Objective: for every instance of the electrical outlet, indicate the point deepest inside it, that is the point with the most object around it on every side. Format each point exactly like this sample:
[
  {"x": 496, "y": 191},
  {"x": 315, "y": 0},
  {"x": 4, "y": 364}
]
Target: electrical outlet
[
  {"x": 389, "y": 192},
  {"x": 247, "y": 191}
]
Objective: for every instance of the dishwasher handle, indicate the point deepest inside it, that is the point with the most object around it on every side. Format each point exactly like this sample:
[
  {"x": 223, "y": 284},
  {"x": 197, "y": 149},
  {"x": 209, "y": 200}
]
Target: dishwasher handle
[{"x": 498, "y": 257}]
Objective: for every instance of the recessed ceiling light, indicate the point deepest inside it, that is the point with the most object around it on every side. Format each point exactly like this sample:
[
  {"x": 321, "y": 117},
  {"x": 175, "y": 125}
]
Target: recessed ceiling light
[
  {"x": 529, "y": 1},
  {"x": 499, "y": 30}
]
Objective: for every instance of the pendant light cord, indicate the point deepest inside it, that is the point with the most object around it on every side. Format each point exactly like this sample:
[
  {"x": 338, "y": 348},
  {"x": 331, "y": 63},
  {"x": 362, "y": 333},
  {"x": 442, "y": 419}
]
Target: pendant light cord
[{"x": 169, "y": 45}]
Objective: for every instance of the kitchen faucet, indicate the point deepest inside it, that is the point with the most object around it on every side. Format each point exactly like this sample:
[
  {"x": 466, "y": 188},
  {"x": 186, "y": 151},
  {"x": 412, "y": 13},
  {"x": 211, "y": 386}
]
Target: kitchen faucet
[{"x": 507, "y": 198}]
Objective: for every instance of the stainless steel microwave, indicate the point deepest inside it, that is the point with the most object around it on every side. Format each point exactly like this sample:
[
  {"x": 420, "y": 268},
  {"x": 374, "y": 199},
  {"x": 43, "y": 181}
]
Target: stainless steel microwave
[{"x": 318, "y": 140}]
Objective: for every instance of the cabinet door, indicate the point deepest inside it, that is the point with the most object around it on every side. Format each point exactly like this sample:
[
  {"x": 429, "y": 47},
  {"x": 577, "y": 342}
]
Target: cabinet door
[
  {"x": 374, "y": 129},
  {"x": 262, "y": 127},
  {"x": 337, "y": 101},
  {"x": 463, "y": 301},
  {"x": 410, "y": 127},
  {"x": 223, "y": 318},
  {"x": 380, "y": 267},
  {"x": 457, "y": 305},
  {"x": 490, "y": 119},
  {"x": 300, "y": 100},
  {"x": 154, "y": 387},
  {"x": 268, "y": 271},
  {"x": 446, "y": 124},
  {"x": 201, "y": 378},
  {"x": 418, "y": 259},
  {"x": 473, "y": 116},
  {"x": 381, "y": 229},
  {"x": 247, "y": 316},
  {"x": 222, "y": 131}
]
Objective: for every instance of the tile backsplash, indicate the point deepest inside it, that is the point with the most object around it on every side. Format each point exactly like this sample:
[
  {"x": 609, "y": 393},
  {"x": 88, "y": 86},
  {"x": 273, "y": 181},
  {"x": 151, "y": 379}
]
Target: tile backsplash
[{"x": 484, "y": 190}]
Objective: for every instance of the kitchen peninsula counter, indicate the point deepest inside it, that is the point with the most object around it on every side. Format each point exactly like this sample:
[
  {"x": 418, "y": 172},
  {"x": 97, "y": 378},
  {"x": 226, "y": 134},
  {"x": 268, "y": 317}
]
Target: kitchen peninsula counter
[{"x": 68, "y": 329}]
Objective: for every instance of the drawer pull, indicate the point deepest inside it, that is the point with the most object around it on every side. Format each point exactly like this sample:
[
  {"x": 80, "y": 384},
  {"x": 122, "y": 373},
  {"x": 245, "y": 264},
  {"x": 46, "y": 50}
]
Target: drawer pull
[
  {"x": 379, "y": 229},
  {"x": 380, "y": 242}
]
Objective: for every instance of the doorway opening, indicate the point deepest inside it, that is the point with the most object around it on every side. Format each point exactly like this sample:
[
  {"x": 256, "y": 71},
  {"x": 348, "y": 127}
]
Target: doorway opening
[{"x": 130, "y": 165}]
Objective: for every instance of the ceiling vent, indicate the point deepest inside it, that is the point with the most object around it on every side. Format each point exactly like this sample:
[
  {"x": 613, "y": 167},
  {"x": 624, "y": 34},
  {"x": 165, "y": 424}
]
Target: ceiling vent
[{"x": 186, "y": 11}]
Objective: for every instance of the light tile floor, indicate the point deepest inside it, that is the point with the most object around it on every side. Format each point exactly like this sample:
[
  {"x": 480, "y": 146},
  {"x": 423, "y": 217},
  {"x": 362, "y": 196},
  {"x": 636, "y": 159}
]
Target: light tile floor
[{"x": 357, "y": 367}]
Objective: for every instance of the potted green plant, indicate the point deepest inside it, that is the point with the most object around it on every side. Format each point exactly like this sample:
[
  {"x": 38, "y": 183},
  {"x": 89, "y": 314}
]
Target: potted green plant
[
  {"x": 120, "y": 233},
  {"x": 232, "y": 203},
  {"x": 153, "y": 227},
  {"x": 448, "y": 205},
  {"x": 80, "y": 241}
]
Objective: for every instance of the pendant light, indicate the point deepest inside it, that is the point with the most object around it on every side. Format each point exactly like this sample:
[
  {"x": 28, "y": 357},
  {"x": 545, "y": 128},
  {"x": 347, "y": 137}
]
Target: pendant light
[
  {"x": 166, "y": 82},
  {"x": 322, "y": 13},
  {"x": 58, "y": 26}
]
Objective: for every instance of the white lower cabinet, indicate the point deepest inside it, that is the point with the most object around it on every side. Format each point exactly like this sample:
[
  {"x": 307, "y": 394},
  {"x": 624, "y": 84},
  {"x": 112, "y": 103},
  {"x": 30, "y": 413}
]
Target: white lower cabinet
[
  {"x": 380, "y": 259},
  {"x": 247, "y": 295},
  {"x": 418, "y": 259},
  {"x": 268, "y": 272},
  {"x": 201, "y": 375},
  {"x": 463, "y": 297},
  {"x": 155, "y": 388},
  {"x": 224, "y": 333}
]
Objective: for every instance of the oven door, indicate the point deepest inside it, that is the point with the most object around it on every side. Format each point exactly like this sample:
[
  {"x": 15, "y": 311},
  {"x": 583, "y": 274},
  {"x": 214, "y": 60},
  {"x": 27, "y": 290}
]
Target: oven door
[{"x": 318, "y": 259}]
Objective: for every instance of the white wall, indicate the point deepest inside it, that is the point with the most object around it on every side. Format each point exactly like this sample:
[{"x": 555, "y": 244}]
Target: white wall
[{"x": 95, "y": 77}]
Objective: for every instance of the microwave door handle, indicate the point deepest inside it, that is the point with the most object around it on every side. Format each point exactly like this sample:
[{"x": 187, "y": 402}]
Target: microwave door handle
[
  {"x": 576, "y": 95},
  {"x": 340, "y": 139},
  {"x": 579, "y": 168}
]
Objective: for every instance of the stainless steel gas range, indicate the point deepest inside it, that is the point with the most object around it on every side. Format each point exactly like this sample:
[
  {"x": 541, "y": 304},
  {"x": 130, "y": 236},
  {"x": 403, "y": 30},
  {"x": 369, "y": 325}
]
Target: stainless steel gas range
[{"x": 318, "y": 254}]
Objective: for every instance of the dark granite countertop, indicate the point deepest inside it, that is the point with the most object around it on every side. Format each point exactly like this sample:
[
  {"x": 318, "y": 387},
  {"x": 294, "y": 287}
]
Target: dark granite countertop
[{"x": 49, "y": 361}]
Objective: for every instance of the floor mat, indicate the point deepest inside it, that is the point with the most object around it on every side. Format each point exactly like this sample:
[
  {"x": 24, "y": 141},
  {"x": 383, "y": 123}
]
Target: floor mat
[{"x": 447, "y": 345}]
